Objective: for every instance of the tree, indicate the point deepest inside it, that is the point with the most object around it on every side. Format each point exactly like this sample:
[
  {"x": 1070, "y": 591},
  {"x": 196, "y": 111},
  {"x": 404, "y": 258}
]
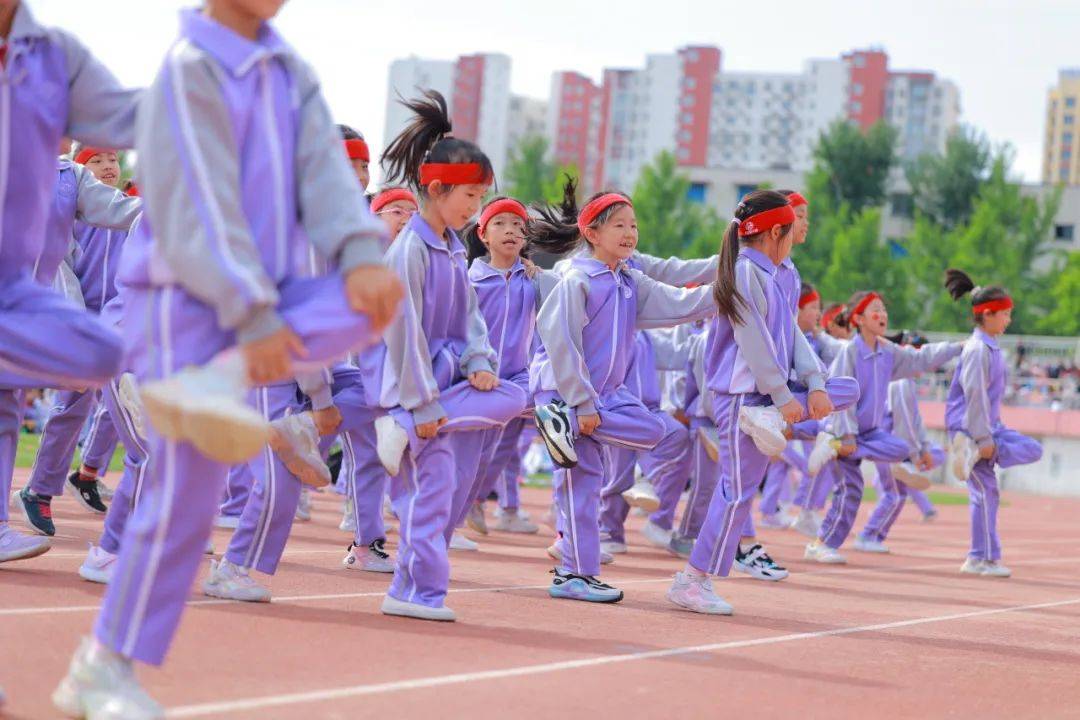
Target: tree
[
  {"x": 855, "y": 164},
  {"x": 669, "y": 223},
  {"x": 1064, "y": 315},
  {"x": 945, "y": 187},
  {"x": 529, "y": 170}
]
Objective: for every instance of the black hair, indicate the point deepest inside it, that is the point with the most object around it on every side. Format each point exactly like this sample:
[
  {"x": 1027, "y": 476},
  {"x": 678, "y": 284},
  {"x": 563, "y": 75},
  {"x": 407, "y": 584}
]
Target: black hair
[
  {"x": 728, "y": 299},
  {"x": 786, "y": 193},
  {"x": 804, "y": 289},
  {"x": 470, "y": 235},
  {"x": 348, "y": 133},
  {"x": 427, "y": 139},
  {"x": 907, "y": 337},
  {"x": 844, "y": 319},
  {"x": 839, "y": 319},
  {"x": 959, "y": 284}
]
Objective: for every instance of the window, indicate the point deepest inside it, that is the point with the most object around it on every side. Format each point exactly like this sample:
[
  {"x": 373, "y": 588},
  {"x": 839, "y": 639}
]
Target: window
[
  {"x": 902, "y": 205},
  {"x": 857, "y": 89},
  {"x": 860, "y": 61},
  {"x": 684, "y": 154},
  {"x": 1066, "y": 138},
  {"x": 856, "y": 106},
  {"x": 1069, "y": 119},
  {"x": 742, "y": 189},
  {"x": 1070, "y": 102},
  {"x": 1066, "y": 154},
  {"x": 689, "y": 83},
  {"x": 696, "y": 192},
  {"x": 1063, "y": 174}
]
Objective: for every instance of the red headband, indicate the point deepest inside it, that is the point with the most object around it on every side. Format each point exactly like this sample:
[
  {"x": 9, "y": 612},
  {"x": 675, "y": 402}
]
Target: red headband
[
  {"x": 357, "y": 149},
  {"x": 809, "y": 298},
  {"x": 766, "y": 220},
  {"x": 1004, "y": 303},
  {"x": 831, "y": 315},
  {"x": 591, "y": 211},
  {"x": 505, "y": 205},
  {"x": 454, "y": 174},
  {"x": 865, "y": 303},
  {"x": 796, "y": 199},
  {"x": 133, "y": 191},
  {"x": 88, "y": 152},
  {"x": 388, "y": 196}
]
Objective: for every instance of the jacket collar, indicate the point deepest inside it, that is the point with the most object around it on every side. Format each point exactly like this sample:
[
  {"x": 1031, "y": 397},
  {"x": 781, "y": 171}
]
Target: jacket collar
[
  {"x": 482, "y": 270},
  {"x": 236, "y": 53}
]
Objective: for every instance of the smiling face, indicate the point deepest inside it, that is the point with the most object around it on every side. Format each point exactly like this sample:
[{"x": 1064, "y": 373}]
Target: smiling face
[
  {"x": 809, "y": 316},
  {"x": 874, "y": 320},
  {"x": 396, "y": 214},
  {"x": 617, "y": 238},
  {"x": 106, "y": 168},
  {"x": 996, "y": 323},
  {"x": 362, "y": 170},
  {"x": 504, "y": 237},
  {"x": 459, "y": 205}
]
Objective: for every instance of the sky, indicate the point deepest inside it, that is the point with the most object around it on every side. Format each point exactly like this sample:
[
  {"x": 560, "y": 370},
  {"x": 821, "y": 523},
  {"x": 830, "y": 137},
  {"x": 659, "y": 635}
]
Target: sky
[{"x": 1003, "y": 55}]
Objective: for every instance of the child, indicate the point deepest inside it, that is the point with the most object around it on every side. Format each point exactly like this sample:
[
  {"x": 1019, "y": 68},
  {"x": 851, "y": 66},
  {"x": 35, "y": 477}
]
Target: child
[
  {"x": 213, "y": 276},
  {"x": 704, "y": 449},
  {"x": 587, "y": 327},
  {"x": 356, "y": 148},
  {"x": 874, "y": 362},
  {"x": 973, "y": 420},
  {"x": 394, "y": 206},
  {"x": 752, "y": 351},
  {"x": 439, "y": 373}
]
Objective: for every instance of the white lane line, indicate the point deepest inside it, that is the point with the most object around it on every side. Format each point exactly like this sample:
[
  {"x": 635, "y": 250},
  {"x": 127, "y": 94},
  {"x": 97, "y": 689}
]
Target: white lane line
[{"x": 267, "y": 701}]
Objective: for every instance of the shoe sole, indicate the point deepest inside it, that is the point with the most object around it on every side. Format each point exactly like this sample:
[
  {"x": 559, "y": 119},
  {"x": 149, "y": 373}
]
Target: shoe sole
[
  {"x": 531, "y": 530},
  {"x": 477, "y": 527},
  {"x": 559, "y": 455},
  {"x": 26, "y": 516},
  {"x": 27, "y": 554},
  {"x": 407, "y": 611},
  {"x": 306, "y": 472},
  {"x": 869, "y": 551},
  {"x": 687, "y": 608},
  {"x": 712, "y": 450},
  {"x": 764, "y": 441},
  {"x": 648, "y": 503},
  {"x": 598, "y": 600},
  {"x": 94, "y": 576},
  {"x": 210, "y": 591},
  {"x": 230, "y": 438},
  {"x": 758, "y": 575},
  {"x": 912, "y": 480}
]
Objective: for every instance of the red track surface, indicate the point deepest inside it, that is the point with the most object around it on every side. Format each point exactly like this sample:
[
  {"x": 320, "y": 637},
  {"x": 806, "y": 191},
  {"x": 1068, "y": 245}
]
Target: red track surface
[{"x": 903, "y": 635}]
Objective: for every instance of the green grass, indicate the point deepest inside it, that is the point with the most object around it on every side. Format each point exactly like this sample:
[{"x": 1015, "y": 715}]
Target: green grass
[{"x": 28, "y": 448}]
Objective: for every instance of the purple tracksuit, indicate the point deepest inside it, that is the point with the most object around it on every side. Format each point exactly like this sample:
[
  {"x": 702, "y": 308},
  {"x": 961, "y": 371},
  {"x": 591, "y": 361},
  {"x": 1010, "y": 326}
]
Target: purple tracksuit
[
  {"x": 974, "y": 407},
  {"x": 864, "y": 422},
  {"x": 751, "y": 363},
  {"x": 704, "y": 473},
  {"x": 427, "y": 355},
  {"x": 128, "y": 493},
  {"x": 214, "y": 263},
  {"x": 587, "y": 326},
  {"x": 101, "y": 439}
]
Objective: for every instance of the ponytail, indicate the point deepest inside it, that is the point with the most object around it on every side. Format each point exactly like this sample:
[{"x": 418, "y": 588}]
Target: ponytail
[
  {"x": 555, "y": 231},
  {"x": 983, "y": 299},
  {"x": 958, "y": 283},
  {"x": 474, "y": 246}
]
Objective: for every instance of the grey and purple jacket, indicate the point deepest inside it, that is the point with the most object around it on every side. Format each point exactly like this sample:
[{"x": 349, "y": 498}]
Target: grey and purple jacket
[
  {"x": 50, "y": 87},
  {"x": 697, "y": 401},
  {"x": 907, "y": 423},
  {"x": 241, "y": 168},
  {"x": 973, "y": 405},
  {"x": 508, "y": 301}
]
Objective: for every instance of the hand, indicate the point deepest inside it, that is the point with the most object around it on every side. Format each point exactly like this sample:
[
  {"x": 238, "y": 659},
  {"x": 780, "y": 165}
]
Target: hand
[
  {"x": 269, "y": 359},
  {"x": 483, "y": 381},
  {"x": 847, "y": 447},
  {"x": 531, "y": 268},
  {"x": 987, "y": 451},
  {"x": 375, "y": 291},
  {"x": 819, "y": 404},
  {"x": 925, "y": 462},
  {"x": 428, "y": 430},
  {"x": 326, "y": 420},
  {"x": 792, "y": 412},
  {"x": 588, "y": 423}
]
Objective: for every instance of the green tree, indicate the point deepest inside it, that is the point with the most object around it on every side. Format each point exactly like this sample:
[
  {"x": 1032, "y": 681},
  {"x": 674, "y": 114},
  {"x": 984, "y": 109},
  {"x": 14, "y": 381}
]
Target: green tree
[
  {"x": 668, "y": 221},
  {"x": 855, "y": 165},
  {"x": 529, "y": 171},
  {"x": 945, "y": 187},
  {"x": 1064, "y": 315}
]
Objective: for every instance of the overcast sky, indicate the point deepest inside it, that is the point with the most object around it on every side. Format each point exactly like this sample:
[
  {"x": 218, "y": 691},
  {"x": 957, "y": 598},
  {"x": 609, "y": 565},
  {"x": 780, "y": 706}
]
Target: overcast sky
[{"x": 1003, "y": 55}]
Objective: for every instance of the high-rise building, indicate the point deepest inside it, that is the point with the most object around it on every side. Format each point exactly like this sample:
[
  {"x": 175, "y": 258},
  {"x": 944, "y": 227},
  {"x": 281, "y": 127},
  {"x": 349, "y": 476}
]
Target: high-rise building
[
  {"x": 1061, "y": 144},
  {"x": 408, "y": 78},
  {"x": 924, "y": 109},
  {"x": 572, "y": 121}
]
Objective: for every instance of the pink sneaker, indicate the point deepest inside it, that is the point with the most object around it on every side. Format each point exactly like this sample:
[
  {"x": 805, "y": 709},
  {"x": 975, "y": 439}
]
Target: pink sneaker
[
  {"x": 695, "y": 593},
  {"x": 16, "y": 546}
]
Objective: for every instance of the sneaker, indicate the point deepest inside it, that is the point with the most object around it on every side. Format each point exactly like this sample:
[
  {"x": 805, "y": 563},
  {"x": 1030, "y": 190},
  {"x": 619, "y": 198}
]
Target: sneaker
[
  {"x": 391, "y": 442},
  {"x": 765, "y": 426},
  {"x": 128, "y": 394},
  {"x": 911, "y": 476},
  {"x": 822, "y": 553},
  {"x": 372, "y": 558},
  {"x": 14, "y": 545},
  {"x": 569, "y": 586},
  {"x": 869, "y": 545},
  {"x": 639, "y": 512},
  {"x": 104, "y": 490},
  {"x": 613, "y": 547},
  {"x": 642, "y": 495},
  {"x": 680, "y": 546},
  {"x": 295, "y": 440},
  {"x": 232, "y": 582},
  {"x": 460, "y": 542},
  {"x": 973, "y": 566},
  {"x": 209, "y": 549},
  {"x": 756, "y": 563},
  {"x": 695, "y": 593},
  {"x": 824, "y": 451},
  {"x": 303, "y": 505},
  {"x": 606, "y": 558},
  {"x": 99, "y": 565},
  {"x": 962, "y": 456},
  {"x": 206, "y": 406},
  {"x": 228, "y": 522},
  {"x": 774, "y": 521},
  {"x": 475, "y": 519},
  {"x": 86, "y": 493},
  {"x": 996, "y": 569},
  {"x": 807, "y": 524},
  {"x": 37, "y": 509},
  {"x": 656, "y": 535},
  {"x": 400, "y": 608},
  {"x": 515, "y": 522},
  {"x": 929, "y": 517},
  {"x": 553, "y": 422},
  {"x": 709, "y": 437},
  {"x": 101, "y": 684},
  {"x": 348, "y": 517}
]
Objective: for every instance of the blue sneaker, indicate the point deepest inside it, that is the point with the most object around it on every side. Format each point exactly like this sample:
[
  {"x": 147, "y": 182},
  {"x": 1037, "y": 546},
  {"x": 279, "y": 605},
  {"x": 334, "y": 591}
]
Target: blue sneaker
[
  {"x": 37, "y": 509},
  {"x": 680, "y": 546},
  {"x": 582, "y": 587}
]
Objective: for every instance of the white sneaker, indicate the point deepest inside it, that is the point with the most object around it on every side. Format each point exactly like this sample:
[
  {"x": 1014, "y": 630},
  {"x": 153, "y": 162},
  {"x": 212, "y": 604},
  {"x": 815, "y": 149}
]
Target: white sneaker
[
  {"x": 460, "y": 542},
  {"x": 765, "y": 426},
  {"x": 295, "y": 440},
  {"x": 515, "y": 523},
  {"x": 870, "y": 546},
  {"x": 372, "y": 558},
  {"x": 127, "y": 391},
  {"x": 709, "y": 437},
  {"x": 104, "y": 490},
  {"x": 695, "y": 593},
  {"x": 806, "y": 523},
  {"x": 973, "y": 566},
  {"x": 775, "y": 521},
  {"x": 996, "y": 569},
  {"x": 656, "y": 535},
  {"x": 823, "y": 452},
  {"x": 642, "y": 495},
  {"x": 475, "y": 519},
  {"x": 99, "y": 565},
  {"x": 229, "y": 522},
  {"x": 400, "y": 608},
  {"x": 303, "y": 505},
  {"x": 911, "y": 476},
  {"x": 232, "y": 582},
  {"x": 206, "y": 406},
  {"x": 613, "y": 547},
  {"x": 822, "y": 553},
  {"x": 348, "y": 518},
  {"x": 101, "y": 684},
  {"x": 391, "y": 442},
  {"x": 606, "y": 558},
  {"x": 962, "y": 456}
]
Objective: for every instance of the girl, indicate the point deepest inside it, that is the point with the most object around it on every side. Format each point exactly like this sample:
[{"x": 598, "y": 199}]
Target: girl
[
  {"x": 214, "y": 288},
  {"x": 752, "y": 351},
  {"x": 439, "y": 373},
  {"x": 874, "y": 362},
  {"x": 356, "y": 149},
  {"x": 704, "y": 449},
  {"x": 587, "y": 328},
  {"x": 973, "y": 419},
  {"x": 394, "y": 206}
]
